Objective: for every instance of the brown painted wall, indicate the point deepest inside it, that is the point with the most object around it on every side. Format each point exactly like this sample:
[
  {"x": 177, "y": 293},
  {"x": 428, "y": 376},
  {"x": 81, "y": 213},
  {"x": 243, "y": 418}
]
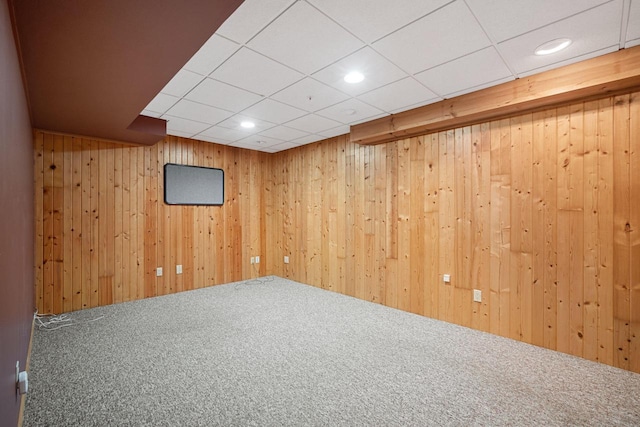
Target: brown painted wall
[{"x": 16, "y": 222}]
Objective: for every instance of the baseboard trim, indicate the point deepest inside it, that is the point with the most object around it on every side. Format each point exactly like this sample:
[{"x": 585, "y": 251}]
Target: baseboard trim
[{"x": 23, "y": 398}]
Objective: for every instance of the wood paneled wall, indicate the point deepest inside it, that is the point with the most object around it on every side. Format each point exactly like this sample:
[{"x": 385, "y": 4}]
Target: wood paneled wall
[
  {"x": 541, "y": 212},
  {"x": 102, "y": 226}
]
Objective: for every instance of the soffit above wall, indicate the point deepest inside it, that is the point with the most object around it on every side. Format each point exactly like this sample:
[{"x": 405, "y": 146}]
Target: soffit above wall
[{"x": 91, "y": 67}]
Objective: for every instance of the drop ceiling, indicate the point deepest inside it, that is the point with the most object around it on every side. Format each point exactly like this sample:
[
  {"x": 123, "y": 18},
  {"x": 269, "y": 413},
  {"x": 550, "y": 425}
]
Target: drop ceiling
[{"x": 281, "y": 63}]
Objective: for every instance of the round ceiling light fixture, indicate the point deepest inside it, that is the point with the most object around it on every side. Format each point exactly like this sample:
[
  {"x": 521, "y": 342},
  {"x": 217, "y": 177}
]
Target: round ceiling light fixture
[
  {"x": 248, "y": 125},
  {"x": 552, "y": 47},
  {"x": 354, "y": 77}
]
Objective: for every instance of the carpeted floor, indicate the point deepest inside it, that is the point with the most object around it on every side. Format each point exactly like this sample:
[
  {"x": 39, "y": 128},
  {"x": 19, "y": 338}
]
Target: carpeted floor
[{"x": 283, "y": 353}]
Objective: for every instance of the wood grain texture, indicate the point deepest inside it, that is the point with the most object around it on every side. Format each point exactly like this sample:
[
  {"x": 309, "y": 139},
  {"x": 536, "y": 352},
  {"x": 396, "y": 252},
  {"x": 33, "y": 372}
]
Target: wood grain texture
[
  {"x": 605, "y": 75},
  {"x": 102, "y": 226},
  {"x": 538, "y": 211}
]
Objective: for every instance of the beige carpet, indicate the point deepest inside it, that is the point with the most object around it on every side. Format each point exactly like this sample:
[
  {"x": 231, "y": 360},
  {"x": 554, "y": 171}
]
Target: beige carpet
[{"x": 283, "y": 353}]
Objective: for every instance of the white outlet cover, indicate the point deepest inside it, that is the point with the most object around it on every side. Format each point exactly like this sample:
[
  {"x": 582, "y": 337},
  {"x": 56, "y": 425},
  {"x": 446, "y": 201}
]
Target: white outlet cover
[
  {"x": 253, "y": 260},
  {"x": 159, "y": 271},
  {"x": 286, "y": 259},
  {"x": 257, "y": 260},
  {"x": 446, "y": 278},
  {"x": 178, "y": 269},
  {"x": 477, "y": 295}
]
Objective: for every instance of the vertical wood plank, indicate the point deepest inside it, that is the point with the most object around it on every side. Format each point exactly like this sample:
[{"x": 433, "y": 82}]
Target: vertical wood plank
[
  {"x": 417, "y": 226},
  {"x": 118, "y": 225},
  {"x": 550, "y": 255},
  {"x": 539, "y": 202},
  {"x": 605, "y": 230},
  {"x": 40, "y": 168},
  {"x": 565, "y": 175},
  {"x": 431, "y": 207},
  {"x": 591, "y": 244},
  {"x": 634, "y": 233},
  {"x": 58, "y": 230},
  {"x": 76, "y": 225},
  {"x": 446, "y": 222},
  {"x": 404, "y": 227},
  {"x": 621, "y": 230}
]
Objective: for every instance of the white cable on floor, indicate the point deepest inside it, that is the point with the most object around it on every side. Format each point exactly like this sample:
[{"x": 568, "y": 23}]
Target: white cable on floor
[{"x": 51, "y": 322}]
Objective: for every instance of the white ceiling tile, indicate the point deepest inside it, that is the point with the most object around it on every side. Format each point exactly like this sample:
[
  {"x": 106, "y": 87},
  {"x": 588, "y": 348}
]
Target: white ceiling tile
[
  {"x": 411, "y": 107},
  {"x": 281, "y": 147},
  {"x": 400, "y": 94},
  {"x": 284, "y": 133},
  {"x": 304, "y": 39},
  {"x": 221, "y": 95},
  {"x": 519, "y": 51},
  {"x": 256, "y": 73},
  {"x": 349, "y": 111},
  {"x": 372, "y": 19},
  {"x": 589, "y": 55},
  {"x": 479, "y": 87},
  {"x": 162, "y": 102},
  {"x": 184, "y": 126},
  {"x": 251, "y": 17},
  {"x": 273, "y": 111},
  {"x": 212, "y": 139},
  {"x": 368, "y": 119},
  {"x": 226, "y": 134},
  {"x": 213, "y": 53},
  {"x": 377, "y": 72},
  {"x": 633, "y": 27},
  {"x": 310, "y": 95},
  {"x": 234, "y": 123},
  {"x": 444, "y": 35},
  {"x": 308, "y": 139},
  {"x": 150, "y": 113},
  {"x": 256, "y": 142},
  {"x": 472, "y": 70},
  {"x": 182, "y": 83},
  {"x": 312, "y": 123},
  {"x": 504, "y": 19},
  {"x": 179, "y": 133},
  {"x": 340, "y": 130},
  {"x": 186, "y": 109}
]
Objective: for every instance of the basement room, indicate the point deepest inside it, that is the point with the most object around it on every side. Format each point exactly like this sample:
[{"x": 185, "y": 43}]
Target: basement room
[{"x": 320, "y": 213}]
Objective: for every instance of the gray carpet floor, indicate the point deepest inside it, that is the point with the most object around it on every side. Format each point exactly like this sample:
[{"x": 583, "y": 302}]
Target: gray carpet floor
[{"x": 283, "y": 353}]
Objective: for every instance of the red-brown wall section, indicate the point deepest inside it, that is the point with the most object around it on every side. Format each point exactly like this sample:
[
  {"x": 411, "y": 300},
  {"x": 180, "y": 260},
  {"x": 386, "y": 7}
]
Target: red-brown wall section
[{"x": 16, "y": 222}]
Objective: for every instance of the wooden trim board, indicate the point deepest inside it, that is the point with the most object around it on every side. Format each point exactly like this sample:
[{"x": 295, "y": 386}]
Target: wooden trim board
[{"x": 594, "y": 78}]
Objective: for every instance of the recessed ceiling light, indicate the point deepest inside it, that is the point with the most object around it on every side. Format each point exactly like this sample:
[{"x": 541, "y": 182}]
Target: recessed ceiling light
[
  {"x": 354, "y": 77},
  {"x": 552, "y": 47},
  {"x": 248, "y": 125}
]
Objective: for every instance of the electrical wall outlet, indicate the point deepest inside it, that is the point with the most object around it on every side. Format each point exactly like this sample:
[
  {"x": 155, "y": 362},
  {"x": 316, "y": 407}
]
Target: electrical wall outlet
[
  {"x": 253, "y": 260},
  {"x": 178, "y": 269},
  {"x": 477, "y": 295},
  {"x": 446, "y": 278},
  {"x": 159, "y": 271},
  {"x": 286, "y": 259},
  {"x": 257, "y": 260}
]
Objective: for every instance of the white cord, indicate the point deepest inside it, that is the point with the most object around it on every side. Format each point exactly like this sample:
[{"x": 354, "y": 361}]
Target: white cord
[
  {"x": 51, "y": 322},
  {"x": 256, "y": 281}
]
